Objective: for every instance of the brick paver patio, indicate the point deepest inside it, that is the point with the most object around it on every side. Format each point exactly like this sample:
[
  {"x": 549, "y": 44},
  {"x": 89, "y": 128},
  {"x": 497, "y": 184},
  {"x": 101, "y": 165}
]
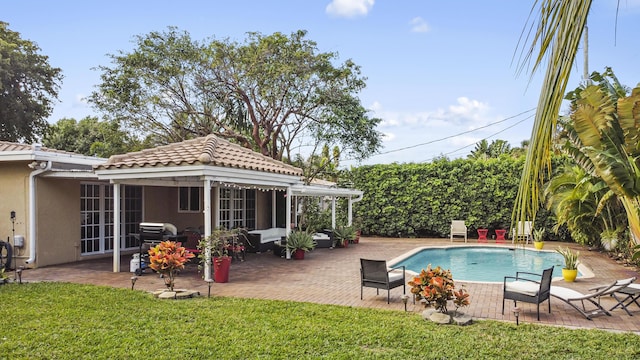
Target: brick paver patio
[{"x": 331, "y": 276}]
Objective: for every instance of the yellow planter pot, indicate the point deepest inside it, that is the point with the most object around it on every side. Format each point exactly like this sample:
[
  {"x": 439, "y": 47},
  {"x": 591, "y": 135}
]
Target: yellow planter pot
[
  {"x": 569, "y": 275},
  {"x": 538, "y": 244}
]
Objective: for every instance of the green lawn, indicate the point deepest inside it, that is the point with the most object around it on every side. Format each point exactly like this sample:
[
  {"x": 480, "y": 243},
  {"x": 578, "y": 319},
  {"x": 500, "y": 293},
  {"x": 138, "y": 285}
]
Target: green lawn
[{"x": 70, "y": 321}]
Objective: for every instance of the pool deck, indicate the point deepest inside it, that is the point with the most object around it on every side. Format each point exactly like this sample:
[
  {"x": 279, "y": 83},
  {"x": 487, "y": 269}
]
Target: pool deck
[{"x": 332, "y": 276}]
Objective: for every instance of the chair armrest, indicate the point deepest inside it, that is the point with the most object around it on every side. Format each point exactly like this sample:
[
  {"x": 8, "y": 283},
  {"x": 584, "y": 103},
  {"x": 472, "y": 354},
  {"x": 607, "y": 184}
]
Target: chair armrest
[
  {"x": 517, "y": 278},
  {"x": 396, "y": 268},
  {"x": 527, "y": 273}
]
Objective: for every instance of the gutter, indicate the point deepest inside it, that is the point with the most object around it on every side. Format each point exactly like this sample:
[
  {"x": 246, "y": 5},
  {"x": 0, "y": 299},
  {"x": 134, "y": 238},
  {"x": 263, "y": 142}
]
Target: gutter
[{"x": 39, "y": 168}]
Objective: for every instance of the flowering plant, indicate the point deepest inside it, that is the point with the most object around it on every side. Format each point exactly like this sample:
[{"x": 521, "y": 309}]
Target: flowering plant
[
  {"x": 436, "y": 286},
  {"x": 167, "y": 258}
]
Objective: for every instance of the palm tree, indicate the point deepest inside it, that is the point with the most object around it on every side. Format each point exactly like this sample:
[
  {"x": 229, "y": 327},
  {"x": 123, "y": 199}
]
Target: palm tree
[
  {"x": 602, "y": 137},
  {"x": 481, "y": 151},
  {"x": 558, "y": 33},
  {"x": 608, "y": 128},
  {"x": 583, "y": 203}
]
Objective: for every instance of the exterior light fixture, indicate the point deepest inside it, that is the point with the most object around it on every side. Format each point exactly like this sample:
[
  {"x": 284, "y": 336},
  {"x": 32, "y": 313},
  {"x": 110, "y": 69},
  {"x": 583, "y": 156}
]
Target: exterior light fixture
[
  {"x": 405, "y": 298},
  {"x": 209, "y": 283}
]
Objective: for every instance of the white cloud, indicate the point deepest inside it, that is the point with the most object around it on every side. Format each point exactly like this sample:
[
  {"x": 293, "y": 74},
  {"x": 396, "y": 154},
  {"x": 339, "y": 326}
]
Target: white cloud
[
  {"x": 80, "y": 100},
  {"x": 419, "y": 25},
  {"x": 465, "y": 113},
  {"x": 349, "y": 8},
  {"x": 388, "y": 136}
]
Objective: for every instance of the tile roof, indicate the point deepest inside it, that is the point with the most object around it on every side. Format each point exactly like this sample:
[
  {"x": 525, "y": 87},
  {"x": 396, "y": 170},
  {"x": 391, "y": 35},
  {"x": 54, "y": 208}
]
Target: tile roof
[
  {"x": 209, "y": 150},
  {"x": 6, "y": 146}
]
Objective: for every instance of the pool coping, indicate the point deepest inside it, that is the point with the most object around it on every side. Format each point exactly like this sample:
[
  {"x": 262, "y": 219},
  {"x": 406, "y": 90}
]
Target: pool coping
[{"x": 584, "y": 270}]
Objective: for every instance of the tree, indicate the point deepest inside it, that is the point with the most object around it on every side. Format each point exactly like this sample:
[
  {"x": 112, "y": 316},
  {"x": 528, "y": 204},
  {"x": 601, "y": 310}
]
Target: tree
[
  {"x": 28, "y": 87},
  {"x": 558, "y": 26},
  {"x": 270, "y": 93},
  {"x": 577, "y": 199},
  {"x": 484, "y": 150},
  {"x": 90, "y": 137},
  {"x": 481, "y": 151},
  {"x": 601, "y": 137},
  {"x": 608, "y": 126}
]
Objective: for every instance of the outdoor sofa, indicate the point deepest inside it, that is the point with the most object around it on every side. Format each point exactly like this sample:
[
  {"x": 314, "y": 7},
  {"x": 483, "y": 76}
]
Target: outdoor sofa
[{"x": 262, "y": 240}]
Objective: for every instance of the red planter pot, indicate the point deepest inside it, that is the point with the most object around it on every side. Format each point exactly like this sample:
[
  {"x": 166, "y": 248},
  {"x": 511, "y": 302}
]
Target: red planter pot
[
  {"x": 221, "y": 268},
  {"x": 298, "y": 254}
]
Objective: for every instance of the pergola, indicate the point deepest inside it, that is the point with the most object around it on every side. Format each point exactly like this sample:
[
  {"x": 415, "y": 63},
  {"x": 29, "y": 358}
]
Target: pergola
[{"x": 211, "y": 163}]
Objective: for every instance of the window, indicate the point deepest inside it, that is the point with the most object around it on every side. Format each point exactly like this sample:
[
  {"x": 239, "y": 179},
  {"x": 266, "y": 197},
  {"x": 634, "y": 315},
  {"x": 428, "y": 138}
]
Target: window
[
  {"x": 189, "y": 200},
  {"x": 97, "y": 215},
  {"x": 237, "y": 208}
]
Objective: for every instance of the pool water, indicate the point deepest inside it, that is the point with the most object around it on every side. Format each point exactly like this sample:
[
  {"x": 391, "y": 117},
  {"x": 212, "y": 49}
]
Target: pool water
[{"x": 484, "y": 264}]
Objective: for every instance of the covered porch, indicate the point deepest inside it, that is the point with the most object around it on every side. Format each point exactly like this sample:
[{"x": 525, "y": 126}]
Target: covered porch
[{"x": 197, "y": 179}]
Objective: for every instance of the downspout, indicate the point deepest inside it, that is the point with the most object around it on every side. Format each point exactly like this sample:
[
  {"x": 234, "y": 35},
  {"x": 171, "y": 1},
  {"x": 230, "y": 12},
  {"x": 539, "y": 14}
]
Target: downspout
[{"x": 32, "y": 206}]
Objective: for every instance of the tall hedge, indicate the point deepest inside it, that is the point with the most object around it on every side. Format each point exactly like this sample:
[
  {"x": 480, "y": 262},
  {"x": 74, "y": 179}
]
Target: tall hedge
[{"x": 419, "y": 200}]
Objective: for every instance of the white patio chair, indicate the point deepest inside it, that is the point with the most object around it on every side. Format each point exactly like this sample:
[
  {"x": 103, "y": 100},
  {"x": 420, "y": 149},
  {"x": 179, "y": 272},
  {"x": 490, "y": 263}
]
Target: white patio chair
[
  {"x": 523, "y": 230},
  {"x": 458, "y": 228}
]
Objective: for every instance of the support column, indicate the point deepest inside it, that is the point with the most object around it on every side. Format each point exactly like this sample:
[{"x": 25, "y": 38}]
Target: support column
[
  {"x": 349, "y": 212},
  {"x": 288, "y": 217},
  {"x": 207, "y": 228},
  {"x": 273, "y": 208},
  {"x": 116, "y": 228},
  {"x": 333, "y": 212}
]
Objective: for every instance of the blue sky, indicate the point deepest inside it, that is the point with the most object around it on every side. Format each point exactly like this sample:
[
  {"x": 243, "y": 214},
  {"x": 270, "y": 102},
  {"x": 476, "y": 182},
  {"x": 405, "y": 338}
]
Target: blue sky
[{"x": 440, "y": 73}]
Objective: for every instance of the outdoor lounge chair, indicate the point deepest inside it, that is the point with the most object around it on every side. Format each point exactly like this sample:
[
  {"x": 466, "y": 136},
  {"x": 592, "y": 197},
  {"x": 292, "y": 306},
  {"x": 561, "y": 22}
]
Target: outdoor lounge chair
[
  {"x": 571, "y": 296},
  {"x": 376, "y": 274},
  {"x": 526, "y": 289},
  {"x": 458, "y": 228},
  {"x": 631, "y": 295},
  {"x": 522, "y": 230}
]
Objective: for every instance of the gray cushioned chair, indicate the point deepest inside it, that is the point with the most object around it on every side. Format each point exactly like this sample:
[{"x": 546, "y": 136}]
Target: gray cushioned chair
[
  {"x": 376, "y": 274},
  {"x": 528, "y": 287}
]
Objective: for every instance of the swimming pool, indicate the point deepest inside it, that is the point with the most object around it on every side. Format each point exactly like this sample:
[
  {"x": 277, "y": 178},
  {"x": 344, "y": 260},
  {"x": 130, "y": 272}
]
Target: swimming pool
[{"x": 483, "y": 263}]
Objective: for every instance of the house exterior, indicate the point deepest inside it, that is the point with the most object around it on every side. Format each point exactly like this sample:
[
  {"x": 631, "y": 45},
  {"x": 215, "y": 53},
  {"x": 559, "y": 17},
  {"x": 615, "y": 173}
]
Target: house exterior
[{"x": 71, "y": 207}]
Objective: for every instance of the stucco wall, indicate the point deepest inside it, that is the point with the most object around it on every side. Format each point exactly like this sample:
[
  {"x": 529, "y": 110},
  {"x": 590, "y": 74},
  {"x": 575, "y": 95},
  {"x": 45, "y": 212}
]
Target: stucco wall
[
  {"x": 14, "y": 196},
  {"x": 161, "y": 205},
  {"x": 58, "y": 221}
]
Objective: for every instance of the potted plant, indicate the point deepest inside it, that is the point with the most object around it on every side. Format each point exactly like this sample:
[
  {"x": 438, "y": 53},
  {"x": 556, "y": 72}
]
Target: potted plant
[
  {"x": 342, "y": 235},
  {"x": 357, "y": 225},
  {"x": 609, "y": 239},
  {"x": 538, "y": 238},
  {"x": 299, "y": 242},
  {"x": 436, "y": 286},
  {"x": 218, "y": 243},
  {"x": 167, "y": 258},
  {"x": 570, "y": 270}
]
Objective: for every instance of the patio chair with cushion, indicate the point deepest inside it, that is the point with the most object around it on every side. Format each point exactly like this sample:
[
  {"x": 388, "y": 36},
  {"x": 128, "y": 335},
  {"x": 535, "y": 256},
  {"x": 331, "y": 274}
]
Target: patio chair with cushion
[
  {"x": 526, "y": 287},
  {"x": 376, "y": 274},
  {"x": 458, "y": 228},
  {"x": 571, "y": 296}
]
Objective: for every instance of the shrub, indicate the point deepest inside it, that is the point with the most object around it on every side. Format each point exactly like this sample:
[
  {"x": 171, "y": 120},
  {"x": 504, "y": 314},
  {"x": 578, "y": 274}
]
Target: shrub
[{"x": 436, "y": 286}]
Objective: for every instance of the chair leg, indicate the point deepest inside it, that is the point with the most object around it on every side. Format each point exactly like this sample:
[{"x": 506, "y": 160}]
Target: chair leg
[
  {"x": 538, "y": 311},
  {"x": 388, "y": 295},
  {"x": 503, "y": 305},
  {"x": 361, "y": 287}
]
